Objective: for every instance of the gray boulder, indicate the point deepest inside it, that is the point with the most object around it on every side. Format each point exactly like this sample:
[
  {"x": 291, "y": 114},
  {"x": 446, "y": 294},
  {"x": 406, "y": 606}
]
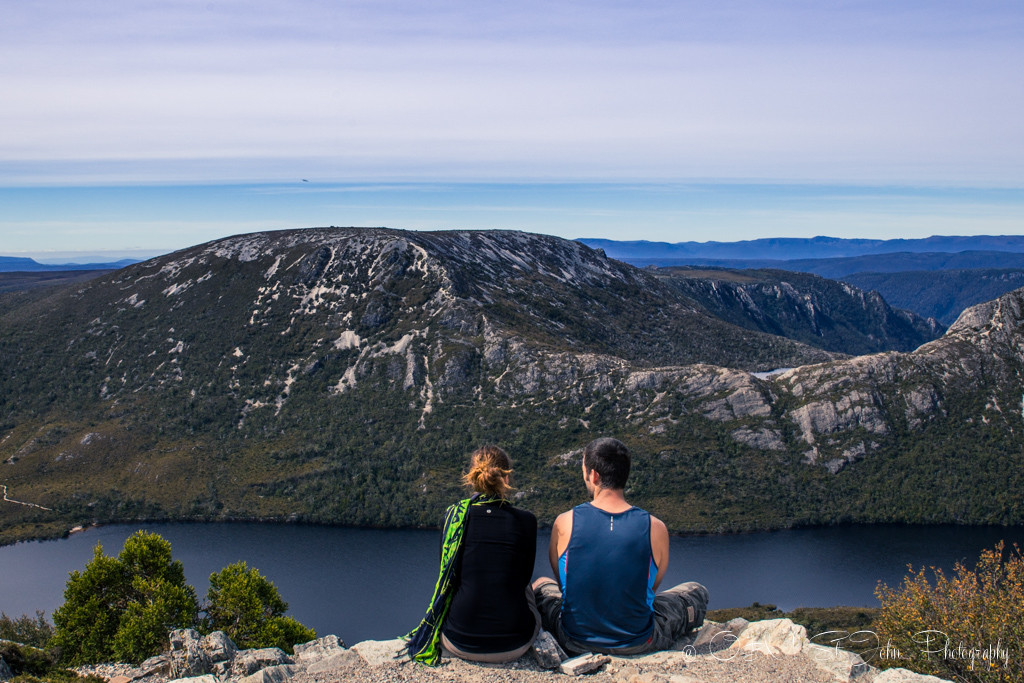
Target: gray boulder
[
  {"x": 160, "y": 664},
  {"x": 205, "y": 678},
  {"x": 187, "y": 657},
  {"x": 248, "y": 662},
  {"x": 272, "y": 674},
  {"x": 316, "y": 650},
  {"x": 219, "y": 647},
  {"x": 546, "y": 650},
  {"x": 339, "y": 660}
]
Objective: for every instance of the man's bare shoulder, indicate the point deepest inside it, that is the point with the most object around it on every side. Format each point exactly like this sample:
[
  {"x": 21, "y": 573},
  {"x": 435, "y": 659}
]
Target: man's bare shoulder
[
  {"x": 563, "y": 520},
  {"x": 658, "y": 525}
]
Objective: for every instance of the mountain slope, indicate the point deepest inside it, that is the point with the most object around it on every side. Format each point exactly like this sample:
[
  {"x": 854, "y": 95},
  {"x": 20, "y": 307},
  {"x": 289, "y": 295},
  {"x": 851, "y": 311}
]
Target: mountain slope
[
  {"x": 823, "y": 313},
  {"x": 342, "y": 375},
  {"x": 941, "y": 295}
]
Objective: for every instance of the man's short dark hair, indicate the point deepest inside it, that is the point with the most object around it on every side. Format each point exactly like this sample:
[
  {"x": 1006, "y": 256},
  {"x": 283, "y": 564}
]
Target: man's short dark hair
[{"x": 610, "y": 459}]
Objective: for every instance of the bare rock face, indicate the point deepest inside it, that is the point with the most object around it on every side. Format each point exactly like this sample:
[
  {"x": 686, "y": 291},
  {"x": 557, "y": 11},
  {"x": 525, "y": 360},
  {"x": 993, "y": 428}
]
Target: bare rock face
[
  {"x": 248, "y": 662},
  {"x": 188, "y": 658},
  {"x": 272, "y": 674}
]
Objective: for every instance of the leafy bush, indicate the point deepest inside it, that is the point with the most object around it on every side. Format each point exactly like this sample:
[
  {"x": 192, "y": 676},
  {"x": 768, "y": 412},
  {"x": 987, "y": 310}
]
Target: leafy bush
[
  {"x": 26, "y": 660},
  {"x": 26, "y": 630},
  {"x": 122, "y": 608},
  {"x": 969, "y": 627},
  {"x": 246, "y": 605}
]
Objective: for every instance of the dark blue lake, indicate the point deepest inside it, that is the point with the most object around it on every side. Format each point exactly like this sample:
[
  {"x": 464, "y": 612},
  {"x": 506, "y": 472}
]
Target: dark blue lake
[{"x": 368, "y": 583}]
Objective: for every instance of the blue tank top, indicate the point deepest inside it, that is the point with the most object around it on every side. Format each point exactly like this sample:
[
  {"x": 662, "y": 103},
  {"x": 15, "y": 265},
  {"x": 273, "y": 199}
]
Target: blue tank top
[{"x": 607, "y": 573}]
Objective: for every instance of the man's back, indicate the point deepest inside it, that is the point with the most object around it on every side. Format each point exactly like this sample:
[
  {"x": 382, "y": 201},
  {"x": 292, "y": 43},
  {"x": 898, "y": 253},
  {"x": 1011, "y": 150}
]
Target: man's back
[{"x": 607, "y": 572}]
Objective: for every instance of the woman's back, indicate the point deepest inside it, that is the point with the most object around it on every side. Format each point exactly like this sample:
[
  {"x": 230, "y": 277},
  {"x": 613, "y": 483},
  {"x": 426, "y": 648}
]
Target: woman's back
[{"x": 489, "y": 611}]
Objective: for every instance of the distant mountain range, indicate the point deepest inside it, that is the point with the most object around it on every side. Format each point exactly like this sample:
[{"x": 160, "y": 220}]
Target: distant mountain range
[
  {"x": 343, "y": 375},
  {"x": 936, "y": 284},
  {"x": 791, "y": 248},
  {"x": 10, "y": 264}
]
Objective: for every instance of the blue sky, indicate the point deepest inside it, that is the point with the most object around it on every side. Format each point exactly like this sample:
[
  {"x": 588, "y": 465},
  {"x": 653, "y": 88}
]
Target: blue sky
[{"x": 151, "y": 126}]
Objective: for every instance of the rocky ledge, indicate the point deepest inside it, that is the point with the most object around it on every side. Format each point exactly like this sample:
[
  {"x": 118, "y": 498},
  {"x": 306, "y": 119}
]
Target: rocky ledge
[{"x": 775, "y": 650}]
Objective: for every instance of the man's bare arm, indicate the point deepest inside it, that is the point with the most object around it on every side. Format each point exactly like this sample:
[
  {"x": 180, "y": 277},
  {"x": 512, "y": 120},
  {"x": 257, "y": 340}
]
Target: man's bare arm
[
  {"x": 560, "y": 532},
  {"x": 659, "y": 548}
]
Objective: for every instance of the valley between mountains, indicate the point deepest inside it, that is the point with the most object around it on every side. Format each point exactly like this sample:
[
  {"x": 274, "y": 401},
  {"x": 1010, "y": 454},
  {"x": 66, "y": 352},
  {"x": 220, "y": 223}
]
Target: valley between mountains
[{"x": 342, "y": 376}]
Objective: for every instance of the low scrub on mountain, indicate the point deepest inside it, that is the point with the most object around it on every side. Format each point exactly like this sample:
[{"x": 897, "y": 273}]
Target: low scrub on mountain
[
  {"x": 35, "y": 631},
  {"x": 247, "y": 607},
  {"x": 967, "y": 627},
  {"x": 122, "y": 608}
]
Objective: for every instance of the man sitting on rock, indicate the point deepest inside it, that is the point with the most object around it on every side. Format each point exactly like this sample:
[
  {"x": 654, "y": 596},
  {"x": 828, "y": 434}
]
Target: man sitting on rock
[{"x": 610, "y": 558}]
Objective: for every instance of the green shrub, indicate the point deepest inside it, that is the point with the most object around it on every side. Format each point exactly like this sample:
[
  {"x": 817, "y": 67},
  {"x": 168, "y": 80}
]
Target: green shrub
[
  {"x": 26, "y": 630},
  {"x": 24, "y": 659},
  {"x": 245, "y": 605},
  {"x": 122, "y": 608},
  {"x": 967, "y": 628}
]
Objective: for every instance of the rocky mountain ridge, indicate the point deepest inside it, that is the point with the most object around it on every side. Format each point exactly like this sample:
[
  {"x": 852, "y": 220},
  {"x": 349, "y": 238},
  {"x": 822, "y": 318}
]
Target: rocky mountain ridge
[{"x": 341, "y": 375}]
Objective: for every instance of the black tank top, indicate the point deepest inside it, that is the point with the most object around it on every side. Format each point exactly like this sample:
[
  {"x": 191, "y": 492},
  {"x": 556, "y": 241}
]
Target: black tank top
[{"x": 489, "y": 612}]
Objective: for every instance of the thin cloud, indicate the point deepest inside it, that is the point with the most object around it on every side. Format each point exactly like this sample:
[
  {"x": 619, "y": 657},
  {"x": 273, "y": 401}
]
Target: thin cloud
[{"x": 229, "y": 90}]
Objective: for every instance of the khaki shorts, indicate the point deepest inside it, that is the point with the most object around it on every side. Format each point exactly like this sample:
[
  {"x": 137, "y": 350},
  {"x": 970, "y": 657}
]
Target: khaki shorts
[{"x": 677, "y": 611}]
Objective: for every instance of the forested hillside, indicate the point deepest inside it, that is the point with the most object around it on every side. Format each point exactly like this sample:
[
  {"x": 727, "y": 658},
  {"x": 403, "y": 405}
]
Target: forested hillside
[{"x": 343, "y": 375}]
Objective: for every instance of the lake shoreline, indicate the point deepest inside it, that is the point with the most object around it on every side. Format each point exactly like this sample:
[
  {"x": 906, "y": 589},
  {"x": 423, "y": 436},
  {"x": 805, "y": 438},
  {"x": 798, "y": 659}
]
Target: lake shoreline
[
  {"x": 11, "y": 535},
  {"x": 334, "y": 578}
]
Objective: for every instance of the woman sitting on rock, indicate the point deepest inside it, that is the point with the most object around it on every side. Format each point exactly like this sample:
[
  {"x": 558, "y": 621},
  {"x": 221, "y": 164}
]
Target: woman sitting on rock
[{"x": 483, "y": 608}]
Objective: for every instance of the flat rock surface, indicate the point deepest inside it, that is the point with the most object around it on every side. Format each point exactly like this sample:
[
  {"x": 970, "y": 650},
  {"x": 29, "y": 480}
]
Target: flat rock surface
[{"x": 757, "y": 668}]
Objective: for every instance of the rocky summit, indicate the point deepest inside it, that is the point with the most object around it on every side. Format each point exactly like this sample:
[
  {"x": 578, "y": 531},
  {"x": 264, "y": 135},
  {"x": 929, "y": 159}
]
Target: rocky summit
[
  {"x": 343, "y": 375},
  {"x": 774, "y": 651}
]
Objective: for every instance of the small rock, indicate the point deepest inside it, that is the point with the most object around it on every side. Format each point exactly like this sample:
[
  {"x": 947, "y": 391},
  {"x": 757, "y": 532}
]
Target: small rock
[
  {"x": 737, "y": 625},
  {"x": 771, "y": 637},
  {"x": 546, "y": 650},
  {"x": 713, "y": 637},
  {"x": 318, "y": 649},
  {"x": 583, "y": 664},
  {"x": 842, "y": 664},
  {"x": 179, "y": 637},
  {"x": 338, "y": 660},
  {"x": 160, "y": 664},
  {"x": 248, "y": 662},
  {"x": 119, "y": 679},
  {"x": 219, "y": 647},
  {"x": 205, "y": 678},
  {"x": 272, "y": 674},
  {"x": 379, "y": 652}
]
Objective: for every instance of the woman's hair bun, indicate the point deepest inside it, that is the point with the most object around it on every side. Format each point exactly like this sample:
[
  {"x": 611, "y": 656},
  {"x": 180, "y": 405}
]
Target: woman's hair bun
[{"x": 488, "y": 470}]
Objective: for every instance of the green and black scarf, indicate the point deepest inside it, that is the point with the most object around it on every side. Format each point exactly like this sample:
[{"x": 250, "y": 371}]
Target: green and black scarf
[{"x": 424, "y": 641}]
